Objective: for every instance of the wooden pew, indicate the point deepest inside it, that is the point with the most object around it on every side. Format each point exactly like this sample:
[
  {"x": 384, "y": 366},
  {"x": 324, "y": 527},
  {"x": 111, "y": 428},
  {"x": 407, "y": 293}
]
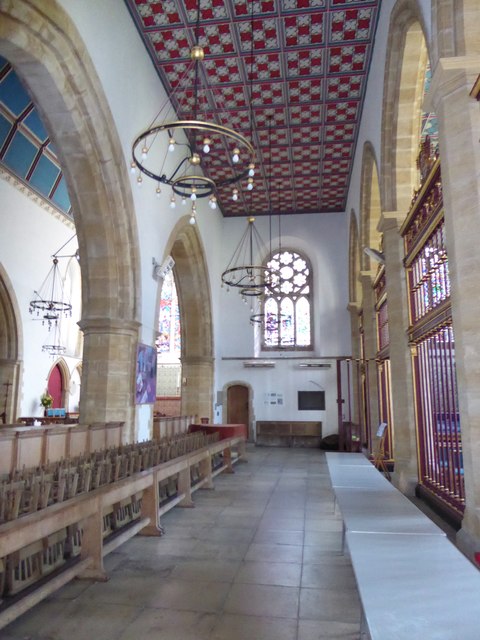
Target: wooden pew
[{"x": 69, "y": 537}]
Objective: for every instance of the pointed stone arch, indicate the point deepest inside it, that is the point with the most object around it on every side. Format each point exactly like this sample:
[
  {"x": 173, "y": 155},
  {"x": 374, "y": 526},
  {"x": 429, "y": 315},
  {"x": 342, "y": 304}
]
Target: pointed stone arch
[
  {"x": 405, "y": 66},
  {"x": 370, "y": 205},
  {"x": 65, "y": 374},
  {"x": 355, "y": 290},
  {"x": 11, "y": 349},
  {"x": 46, "y": 50},
  {"x": 194, "y": 297}
]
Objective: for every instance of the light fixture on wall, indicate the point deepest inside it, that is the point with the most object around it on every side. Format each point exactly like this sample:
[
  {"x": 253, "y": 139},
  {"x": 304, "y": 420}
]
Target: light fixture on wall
[
  {"x": 196, "y": 157},
  {"x": 375, "y": 255}
]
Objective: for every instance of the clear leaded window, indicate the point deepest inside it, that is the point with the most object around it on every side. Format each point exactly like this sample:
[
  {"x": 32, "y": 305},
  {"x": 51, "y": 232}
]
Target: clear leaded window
[{"x": 287, "y": 305}]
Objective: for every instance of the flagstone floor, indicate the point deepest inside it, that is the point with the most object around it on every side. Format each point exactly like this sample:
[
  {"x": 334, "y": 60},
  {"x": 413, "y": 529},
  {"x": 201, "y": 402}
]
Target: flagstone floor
[{"x": 258, "y": 558}]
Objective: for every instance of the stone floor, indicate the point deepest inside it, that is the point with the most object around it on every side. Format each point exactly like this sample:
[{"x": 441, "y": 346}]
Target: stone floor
[{"x": 258, "y": 558}]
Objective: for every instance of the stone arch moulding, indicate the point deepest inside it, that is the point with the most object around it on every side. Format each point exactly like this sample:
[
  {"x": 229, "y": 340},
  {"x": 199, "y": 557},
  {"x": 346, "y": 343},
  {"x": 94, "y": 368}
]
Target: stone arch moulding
[
  {"x": 370, "y": 205},
  {"x": 47, "y": 52},
  {"x": 194, "y": 299},
  {"x": 11, "y": 350},
  {"x": 354, "y": 262},
  {"x": 402, "y": 100}
]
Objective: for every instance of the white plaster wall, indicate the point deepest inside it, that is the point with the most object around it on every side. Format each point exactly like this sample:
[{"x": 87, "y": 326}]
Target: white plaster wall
[
  {"x": 323, "y": 239},
  {"x": 29, "y": 236}
]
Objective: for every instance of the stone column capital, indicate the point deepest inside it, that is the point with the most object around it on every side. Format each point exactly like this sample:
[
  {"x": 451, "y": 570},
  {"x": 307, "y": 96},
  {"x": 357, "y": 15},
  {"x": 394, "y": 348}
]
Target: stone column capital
[
  {"x": 451, "y": 74},
  {"x": 367, "y": 277},
  {"x": 390, "y": 220},
  {"x": 197, "y": 360},
  {"x": 354, "y": 307},
  {"x": 108, "y": 325}
]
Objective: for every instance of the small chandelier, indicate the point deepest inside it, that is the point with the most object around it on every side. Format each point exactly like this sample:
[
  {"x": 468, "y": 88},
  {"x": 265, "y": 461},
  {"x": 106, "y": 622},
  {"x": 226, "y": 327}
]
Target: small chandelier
[
  {"x": 49, "y": 303},
  {"x": 55, "y": 348},
  {"x": 195, "y": 157},
  {"x": 242, "y": 273}
]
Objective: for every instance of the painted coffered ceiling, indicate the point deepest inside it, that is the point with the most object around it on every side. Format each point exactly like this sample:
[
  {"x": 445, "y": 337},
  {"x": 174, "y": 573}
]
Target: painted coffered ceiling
[{"x": 296, "y": 89}]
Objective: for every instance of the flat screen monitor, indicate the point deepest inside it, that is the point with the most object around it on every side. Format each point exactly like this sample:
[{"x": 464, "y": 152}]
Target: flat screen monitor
[{"x": 311, "y": 400}]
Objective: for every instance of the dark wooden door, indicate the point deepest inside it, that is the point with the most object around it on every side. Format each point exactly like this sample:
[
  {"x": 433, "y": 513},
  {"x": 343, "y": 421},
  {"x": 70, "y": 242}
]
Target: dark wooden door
[{"x": 237, "y": 406}]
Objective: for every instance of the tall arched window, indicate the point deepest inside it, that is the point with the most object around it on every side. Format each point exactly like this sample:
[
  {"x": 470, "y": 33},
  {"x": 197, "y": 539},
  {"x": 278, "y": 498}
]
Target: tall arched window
[
  {"x": 169, "y": 367},
  {"x": 287, "y": 305}
]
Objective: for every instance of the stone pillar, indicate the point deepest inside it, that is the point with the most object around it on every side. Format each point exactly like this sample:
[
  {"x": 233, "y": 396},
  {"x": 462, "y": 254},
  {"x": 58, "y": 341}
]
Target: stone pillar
[
  {"x": 370, "y": 346},
  {"x": 197, "y": 386},
  {"x": 108, "y": 373},
  {"x": 405, "y": 476},
  {"x": 459, "y": 133},
  {"x": 10, "y": 376}
]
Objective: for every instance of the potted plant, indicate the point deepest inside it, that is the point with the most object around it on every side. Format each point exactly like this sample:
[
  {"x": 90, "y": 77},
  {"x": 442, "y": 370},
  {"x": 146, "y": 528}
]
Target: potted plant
[{"x": 46, "y": 402}]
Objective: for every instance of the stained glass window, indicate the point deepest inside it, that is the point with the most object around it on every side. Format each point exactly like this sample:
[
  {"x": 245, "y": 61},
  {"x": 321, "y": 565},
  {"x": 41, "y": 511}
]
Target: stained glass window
[
  {"x": 287, "y": 304},
  {"x": 429, "y": 124},
  {"x": 169, "y": 340}
]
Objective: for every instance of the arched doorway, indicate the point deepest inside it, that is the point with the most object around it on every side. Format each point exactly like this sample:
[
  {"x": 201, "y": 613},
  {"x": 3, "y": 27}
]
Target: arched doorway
[
  {"x": 238, "y": 406},
  {"x": 56, "y": 386}
]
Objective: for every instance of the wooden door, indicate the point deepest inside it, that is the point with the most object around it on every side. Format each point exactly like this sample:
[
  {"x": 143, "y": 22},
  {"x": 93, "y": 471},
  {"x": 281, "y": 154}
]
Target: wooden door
[
  {"x": 238, "y": 406},
  {"x": 55, "y": 386}
]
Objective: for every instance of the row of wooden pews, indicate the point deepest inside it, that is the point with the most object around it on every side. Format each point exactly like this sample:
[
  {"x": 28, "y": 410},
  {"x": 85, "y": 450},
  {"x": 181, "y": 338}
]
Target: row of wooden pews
[{"x": 58, "y": 520}]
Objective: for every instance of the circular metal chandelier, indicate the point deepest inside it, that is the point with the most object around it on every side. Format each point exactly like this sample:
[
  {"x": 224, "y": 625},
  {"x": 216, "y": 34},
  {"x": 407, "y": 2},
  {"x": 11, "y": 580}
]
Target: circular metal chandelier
[
  {"x": 195, "y": 157},
  {"x": 49, "y": 303},
  {"x": 242, "y": 272}
]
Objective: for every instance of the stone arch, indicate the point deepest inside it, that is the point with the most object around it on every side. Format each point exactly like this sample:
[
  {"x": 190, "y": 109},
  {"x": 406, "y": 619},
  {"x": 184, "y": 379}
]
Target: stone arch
[
  {"x": 11, "y": 349},
  {"x": 370, "y": 205},
  {"x": 43, "y": 45},
  {"x": 355, "y": 290},
  {"x": 194, "y": 297},
  {"x": 402, "y": 100}
]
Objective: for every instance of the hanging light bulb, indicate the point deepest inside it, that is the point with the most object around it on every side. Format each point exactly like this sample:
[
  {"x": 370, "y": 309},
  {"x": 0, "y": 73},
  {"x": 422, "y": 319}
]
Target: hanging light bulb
[
  {"x": 193, "y": 195},
  {"x": 171, "y": 144},
  {"x": 139, "y": 181},
  {"x": 184, "y": 200},
  {"x": 192, "y": 217},
  {"x": 236, "y": 155},
  {"x": 158, "y": 191},
  {"x": 213, "y": 202},
  {"x": 144, "y": 153},
  {"x": 206, "y": 145},
  {"x": 235, "y": 195},
  {"x": 250, "y": 184},
  {"x": 133, "y": 167},
  {"x": 251, "y": 170},
  {"x": 173, "y": 203}
]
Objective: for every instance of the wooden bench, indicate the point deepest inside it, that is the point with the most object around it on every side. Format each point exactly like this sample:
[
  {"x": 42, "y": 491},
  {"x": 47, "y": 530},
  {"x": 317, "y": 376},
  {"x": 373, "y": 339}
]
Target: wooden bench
[
  {"x": 47, "y": 547},
  {"x": 412, "y": 581},
  {"x": 283, "y": 433}
]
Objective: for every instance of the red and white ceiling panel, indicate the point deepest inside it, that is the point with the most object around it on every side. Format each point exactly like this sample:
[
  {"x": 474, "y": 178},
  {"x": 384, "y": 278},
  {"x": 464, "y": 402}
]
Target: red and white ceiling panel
[{"x": 289, "y": 74}]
